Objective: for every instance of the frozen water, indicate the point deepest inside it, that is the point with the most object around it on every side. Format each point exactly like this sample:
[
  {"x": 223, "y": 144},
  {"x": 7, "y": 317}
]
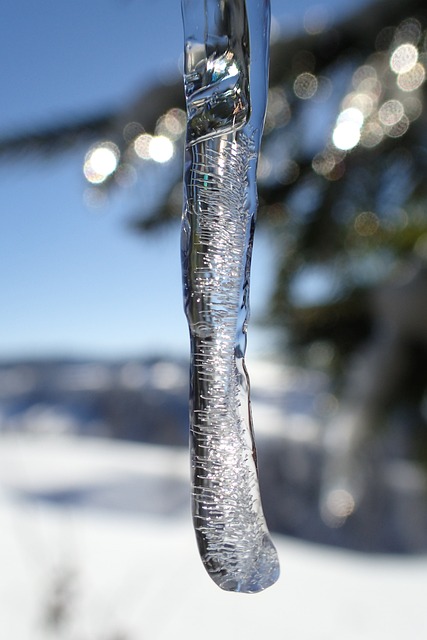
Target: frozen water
[{"x": 226, "y": 56}]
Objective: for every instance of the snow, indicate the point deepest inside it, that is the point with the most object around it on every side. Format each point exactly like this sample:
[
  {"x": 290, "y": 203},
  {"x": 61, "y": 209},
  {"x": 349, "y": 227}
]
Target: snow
[{"x": 108, "y": 523}]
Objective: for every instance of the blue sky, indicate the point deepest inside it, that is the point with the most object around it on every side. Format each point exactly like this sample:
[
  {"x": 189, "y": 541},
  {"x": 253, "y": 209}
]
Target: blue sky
[{"x": 74, "y": 281}]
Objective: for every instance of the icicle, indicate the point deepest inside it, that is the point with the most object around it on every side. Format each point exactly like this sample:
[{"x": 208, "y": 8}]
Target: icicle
[{"x": 226, "y": 63}]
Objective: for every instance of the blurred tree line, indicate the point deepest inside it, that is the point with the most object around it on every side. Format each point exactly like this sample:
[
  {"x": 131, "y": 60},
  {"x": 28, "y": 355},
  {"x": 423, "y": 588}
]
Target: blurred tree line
[{"x": 342, "y": 191}]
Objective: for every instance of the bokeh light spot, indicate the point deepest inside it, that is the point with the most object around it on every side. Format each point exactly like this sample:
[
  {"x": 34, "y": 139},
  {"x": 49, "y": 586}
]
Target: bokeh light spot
[
  {"x": 371, "y": 135},
  {"x": 305, "y": 85},
  {"x": 371, "y": 86},
  {"x": 408, "y": 31},
  {"x": 391, "y": 112},
  {"x": 361, "y": 101},
  {"x": 316, "y": 19},
  {"x": 366, "y": 224},
  {"x": 399, "y": 129},
  {"x": 339, "y": 505},
  {"x": 413, "y": 107},
  {"x": 172, "y": 124},
  {"x": 290, "y": 172},
  {"x": 100, "y": 162},
  {"x": 346, "y": 134},
  {"x": 412, "y": 79},
  {"x": 278, "y": 110},
  {"x": 264, "y": 168},
  {"x": 126, "y": 175},
  {"x": 161, "y": 149},
  {"x": 323, "y": 163},
  {"x": 142, "y": 146},
  {"x": 404, "y": 58},
  {"x": 132, "y": 130},
  {"x": 364, "y": 72}
]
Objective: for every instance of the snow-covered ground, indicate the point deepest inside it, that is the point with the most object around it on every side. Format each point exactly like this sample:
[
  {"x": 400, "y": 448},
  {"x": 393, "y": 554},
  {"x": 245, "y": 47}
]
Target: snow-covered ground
[{"x": 96, "y": 544}]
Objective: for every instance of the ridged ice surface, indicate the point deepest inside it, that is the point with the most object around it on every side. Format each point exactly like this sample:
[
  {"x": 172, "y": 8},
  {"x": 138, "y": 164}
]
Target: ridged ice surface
[{"x": 217, "y": 233}]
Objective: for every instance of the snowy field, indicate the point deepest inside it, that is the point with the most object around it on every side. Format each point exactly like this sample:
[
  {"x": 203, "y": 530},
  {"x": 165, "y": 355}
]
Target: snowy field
[{"x": 96, "y": 544}]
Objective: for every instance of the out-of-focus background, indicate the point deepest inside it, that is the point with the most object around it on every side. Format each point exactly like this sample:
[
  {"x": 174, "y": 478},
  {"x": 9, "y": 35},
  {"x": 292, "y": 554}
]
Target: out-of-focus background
[{"x": 96, "y": 540}]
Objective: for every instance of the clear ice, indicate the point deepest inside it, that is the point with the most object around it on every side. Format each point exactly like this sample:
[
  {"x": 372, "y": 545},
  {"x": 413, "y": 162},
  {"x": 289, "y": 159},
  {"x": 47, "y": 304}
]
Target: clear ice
[{"x": 225, "y": 77}]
